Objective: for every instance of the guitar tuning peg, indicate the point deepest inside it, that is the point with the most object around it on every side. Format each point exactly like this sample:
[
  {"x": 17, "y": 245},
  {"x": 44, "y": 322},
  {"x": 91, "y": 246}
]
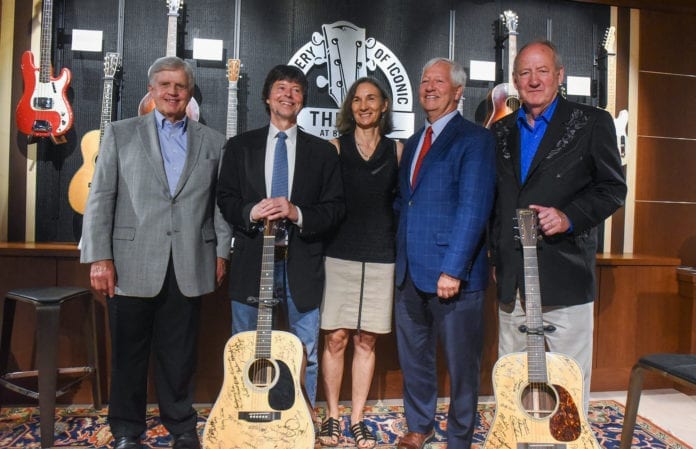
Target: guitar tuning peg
[{"x": 516, "y": 237}]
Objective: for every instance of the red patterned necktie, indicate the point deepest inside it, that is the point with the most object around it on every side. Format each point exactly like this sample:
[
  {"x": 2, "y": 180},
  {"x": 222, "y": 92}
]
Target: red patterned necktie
[{"x": 427, "y": 141}]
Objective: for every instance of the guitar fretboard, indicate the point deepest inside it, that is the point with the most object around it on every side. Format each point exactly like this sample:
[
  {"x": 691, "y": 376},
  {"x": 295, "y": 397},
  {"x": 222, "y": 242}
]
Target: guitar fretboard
[
  {"x": 611, "y": 83},
  {"x": 171, "y": 34},
  {"x": 107, "y": 96},
  {"x": 232, "y": 102},
  {"x": 45, "y": 58},
  {"x": 536, "y": 351},
  {"x": 512, "y": 45},
  {"x": 264, "y": 325}
]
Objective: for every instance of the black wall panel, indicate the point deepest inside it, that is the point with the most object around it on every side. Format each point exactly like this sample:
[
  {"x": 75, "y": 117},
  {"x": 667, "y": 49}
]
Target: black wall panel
[{"x": 271, "y": 31}]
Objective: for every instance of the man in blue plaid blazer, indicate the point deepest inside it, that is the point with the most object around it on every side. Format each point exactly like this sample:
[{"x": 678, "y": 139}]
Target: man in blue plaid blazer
[{"x": 446, "y": 190}]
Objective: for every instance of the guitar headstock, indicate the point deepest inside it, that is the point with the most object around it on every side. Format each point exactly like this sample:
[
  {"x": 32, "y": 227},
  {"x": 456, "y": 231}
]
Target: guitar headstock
[
  {"x": 233, "y": 66},
  {"x": 174, "y": 6},
  {"x": 609, "y": 41},
  {"x": 527, "y": 224},
  {"x": 112, "y": 62},
  {"x": 510, "y": 19}
]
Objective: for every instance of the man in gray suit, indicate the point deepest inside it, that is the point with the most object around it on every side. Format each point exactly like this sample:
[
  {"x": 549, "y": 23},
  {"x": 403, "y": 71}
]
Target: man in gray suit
[{"x": 156, "y": 243}]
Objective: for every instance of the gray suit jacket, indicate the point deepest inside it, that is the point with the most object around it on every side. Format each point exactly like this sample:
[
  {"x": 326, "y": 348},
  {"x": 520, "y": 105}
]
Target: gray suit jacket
[{"x": 132, "y": 218}]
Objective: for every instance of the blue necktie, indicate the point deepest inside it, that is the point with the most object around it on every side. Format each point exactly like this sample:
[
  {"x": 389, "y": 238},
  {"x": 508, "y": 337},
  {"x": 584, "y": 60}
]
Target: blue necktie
[{"x": 279, "y": 182}]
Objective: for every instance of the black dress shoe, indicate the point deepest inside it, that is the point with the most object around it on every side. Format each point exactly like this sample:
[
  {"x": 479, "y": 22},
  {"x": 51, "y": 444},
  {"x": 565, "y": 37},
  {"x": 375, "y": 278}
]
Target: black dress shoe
[
  {"x": 127, "y": 443},
  {"x": 186, "y": 440}
]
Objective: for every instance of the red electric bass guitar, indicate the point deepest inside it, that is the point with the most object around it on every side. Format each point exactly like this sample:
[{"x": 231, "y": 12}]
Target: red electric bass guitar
[{"x": 43, "y": 110}]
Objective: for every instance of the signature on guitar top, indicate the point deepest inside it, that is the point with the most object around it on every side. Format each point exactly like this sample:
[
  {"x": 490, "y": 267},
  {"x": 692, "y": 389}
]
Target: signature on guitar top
[{"x": 538, "y": 394}]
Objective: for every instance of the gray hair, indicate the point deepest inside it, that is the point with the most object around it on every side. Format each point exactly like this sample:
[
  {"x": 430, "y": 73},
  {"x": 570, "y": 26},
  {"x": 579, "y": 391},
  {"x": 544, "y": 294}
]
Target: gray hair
[
  {"x": 170, "y": 63},
  {"x": 557, "y": 63},
  {"x": 457, "y": 73}
]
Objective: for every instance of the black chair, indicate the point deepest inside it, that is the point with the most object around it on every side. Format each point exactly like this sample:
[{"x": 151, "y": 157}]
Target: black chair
[
  {"x": 680, "y": 368},
  {"x": 47, "y": 303}
]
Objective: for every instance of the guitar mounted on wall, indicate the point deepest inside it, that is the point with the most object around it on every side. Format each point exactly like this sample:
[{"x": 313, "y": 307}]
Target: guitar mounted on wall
[
  {"x": 538, "y": 393},
  {"x": 503, "y": 99},
  {"x": 147, "y": 104},
  {"x": 44, "y": 110},
  {"x": 233, "y": 66},
  {"x": 261, "y": 403},
  {"x": 78, "y": 190},
  {"x": 608, "y": 51}
]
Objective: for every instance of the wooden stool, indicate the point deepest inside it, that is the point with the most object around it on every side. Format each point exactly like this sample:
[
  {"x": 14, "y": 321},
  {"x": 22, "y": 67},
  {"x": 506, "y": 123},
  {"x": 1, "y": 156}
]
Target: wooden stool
[
  {"x": 680, "y": 368},
  {"x": 47, "y": 302}
]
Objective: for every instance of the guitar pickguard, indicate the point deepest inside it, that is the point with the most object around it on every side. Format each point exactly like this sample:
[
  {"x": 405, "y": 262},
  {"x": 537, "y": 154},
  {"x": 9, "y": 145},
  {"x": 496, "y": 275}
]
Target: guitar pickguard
[{"x": 251, "y": 415}]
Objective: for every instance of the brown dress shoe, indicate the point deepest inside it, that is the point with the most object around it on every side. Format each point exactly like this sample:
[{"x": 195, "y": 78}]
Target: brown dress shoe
[{"x": 415, "y": 440}]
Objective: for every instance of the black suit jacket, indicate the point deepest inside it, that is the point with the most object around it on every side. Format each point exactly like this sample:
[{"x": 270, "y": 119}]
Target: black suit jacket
[
  {"x": 577, "y": 169},
  {"x": 317, "y": 190}
]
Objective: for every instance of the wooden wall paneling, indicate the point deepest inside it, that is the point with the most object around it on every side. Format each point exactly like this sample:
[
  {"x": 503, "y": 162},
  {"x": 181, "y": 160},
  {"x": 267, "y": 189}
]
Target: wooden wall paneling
[
  {"x": 667, "y": 43},
  {"x": 666, "y": 229},
  {"x": 660, "y": 93},
  {"x": 666, "y": 170},
  {"x": 216, "y": 329},
  {"x": 638, "y": 311},
  {"x": 673, "y": 6},
  {"x": 687, "y": 291},
  {"x": 72, "y": 273},
  {"x": 665, "y": 208}
]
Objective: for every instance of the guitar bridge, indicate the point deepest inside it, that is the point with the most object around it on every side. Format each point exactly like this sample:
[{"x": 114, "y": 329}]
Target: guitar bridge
[
  {"x": 41, "y": 126},
  {"x": 259, "y": 416}
]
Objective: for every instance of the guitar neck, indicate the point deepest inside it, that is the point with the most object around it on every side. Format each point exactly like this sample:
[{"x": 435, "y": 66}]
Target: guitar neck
[
  {"x": 45, "y": 57},
  {"x": 171, "y": 34},
  {"x": 232, "y": 102},
  {"x": 512, "y": 54},
  {"x": 106, "y": 111},
  {"x": 611, "y": 84},
  {"x": 536, "y": 351},
  {"x": 264, "y": 324}
]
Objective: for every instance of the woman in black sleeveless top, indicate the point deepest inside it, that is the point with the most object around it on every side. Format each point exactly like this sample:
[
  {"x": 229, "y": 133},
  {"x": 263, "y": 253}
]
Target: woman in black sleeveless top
[{"x": 360, "y": 257}]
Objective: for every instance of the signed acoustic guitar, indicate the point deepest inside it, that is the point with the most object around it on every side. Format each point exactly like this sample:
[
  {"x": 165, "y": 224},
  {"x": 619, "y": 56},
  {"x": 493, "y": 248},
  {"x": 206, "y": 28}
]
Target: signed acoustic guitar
[
  {"x": 538, "y": 394},
  {"x": 261, "y": 404}
]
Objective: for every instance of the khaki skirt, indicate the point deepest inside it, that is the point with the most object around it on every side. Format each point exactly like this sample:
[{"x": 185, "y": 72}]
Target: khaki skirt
[{"x": 358, "y": 295}]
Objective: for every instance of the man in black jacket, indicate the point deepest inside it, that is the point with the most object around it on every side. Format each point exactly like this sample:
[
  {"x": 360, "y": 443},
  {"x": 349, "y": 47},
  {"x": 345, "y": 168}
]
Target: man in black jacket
[
  {"x": 309, "y": 203},
  {"x": 560, "y": 159}
]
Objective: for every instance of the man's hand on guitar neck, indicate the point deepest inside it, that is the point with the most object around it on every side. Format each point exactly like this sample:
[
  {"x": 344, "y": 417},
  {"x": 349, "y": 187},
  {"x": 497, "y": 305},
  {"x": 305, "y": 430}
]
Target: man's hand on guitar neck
[{"x": 275, "y": 209}]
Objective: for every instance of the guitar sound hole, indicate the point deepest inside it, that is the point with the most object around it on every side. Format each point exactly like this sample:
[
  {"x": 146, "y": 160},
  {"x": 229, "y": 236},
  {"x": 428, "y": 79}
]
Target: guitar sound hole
[
  {"x": 539, "y": 400},
  {"x": 263, "y": 373},
  {"x": 513, "y": 103}
]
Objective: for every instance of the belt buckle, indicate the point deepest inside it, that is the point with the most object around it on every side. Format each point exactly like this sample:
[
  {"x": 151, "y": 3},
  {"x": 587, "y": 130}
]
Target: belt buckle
[{"x": 280, "y": 252}]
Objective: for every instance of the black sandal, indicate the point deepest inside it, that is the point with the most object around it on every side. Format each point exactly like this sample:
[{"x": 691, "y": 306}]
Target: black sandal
[
  {"x": 363, "y": 434},
  {"x": 330, "y": 429}
]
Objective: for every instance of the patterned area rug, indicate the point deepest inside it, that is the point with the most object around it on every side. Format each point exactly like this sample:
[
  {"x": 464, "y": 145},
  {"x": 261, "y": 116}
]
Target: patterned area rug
[{"x": 85, "y": 427}]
